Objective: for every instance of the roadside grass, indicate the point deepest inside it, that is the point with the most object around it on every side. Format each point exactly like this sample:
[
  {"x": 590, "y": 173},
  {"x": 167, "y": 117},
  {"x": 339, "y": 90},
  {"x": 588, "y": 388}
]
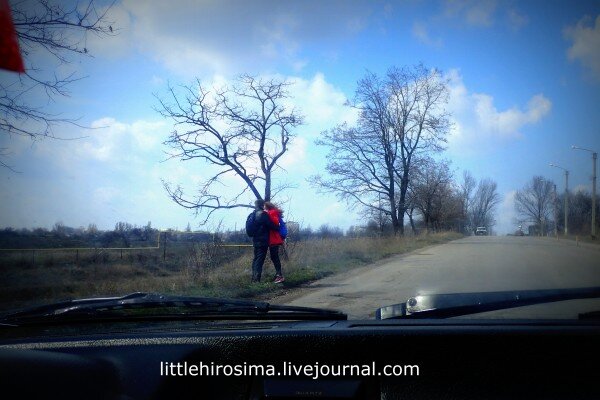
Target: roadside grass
[
  {"x": 581, "y": 238},
  {"x": 193, "y": 270}
]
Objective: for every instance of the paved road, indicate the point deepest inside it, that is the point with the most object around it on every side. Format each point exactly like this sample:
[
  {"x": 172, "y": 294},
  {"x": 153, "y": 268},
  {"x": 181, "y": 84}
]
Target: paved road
[{"x": 470, "y": 264}]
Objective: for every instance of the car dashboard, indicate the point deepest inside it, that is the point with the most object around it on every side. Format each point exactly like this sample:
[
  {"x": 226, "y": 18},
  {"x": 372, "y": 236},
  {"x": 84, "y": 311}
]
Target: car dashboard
[{"x": 433, "y": 359}]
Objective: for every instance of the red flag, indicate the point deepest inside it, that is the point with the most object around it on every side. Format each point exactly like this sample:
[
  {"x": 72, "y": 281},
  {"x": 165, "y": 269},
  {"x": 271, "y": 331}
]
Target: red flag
[{"x": 10, "y": 56}]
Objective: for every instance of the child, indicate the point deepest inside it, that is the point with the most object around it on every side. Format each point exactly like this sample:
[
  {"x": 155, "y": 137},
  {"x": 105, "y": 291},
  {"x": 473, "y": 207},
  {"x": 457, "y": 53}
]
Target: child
[{"x": 275, "y": 239}]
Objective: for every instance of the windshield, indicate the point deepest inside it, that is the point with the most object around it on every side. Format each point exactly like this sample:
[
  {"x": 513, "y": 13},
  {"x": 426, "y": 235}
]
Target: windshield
[{"x": 339, "y": 155}]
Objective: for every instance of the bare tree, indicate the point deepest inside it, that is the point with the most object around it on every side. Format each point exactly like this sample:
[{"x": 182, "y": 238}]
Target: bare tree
[
  {"x": 580, "y": 211},
  {"x": 240, "y": 131},
  {"x": 360, "y": 171},
  {"x": 431, "y": 193},
  {"x": 56, "y": 32},
  {"x": 400, "y": 117},
  {"x": 419, "y": 121},
  {"x": 484, "y": 203},
  {"x": 534, "y": 201},
  {"x": 466, "y": 188},
  {"x": 377, "y": 218}
]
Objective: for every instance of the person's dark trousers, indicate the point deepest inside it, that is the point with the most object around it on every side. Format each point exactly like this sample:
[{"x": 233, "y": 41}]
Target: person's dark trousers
[
  {"x": 274, "y": 250},
  {"x": 260, "y": 253}
]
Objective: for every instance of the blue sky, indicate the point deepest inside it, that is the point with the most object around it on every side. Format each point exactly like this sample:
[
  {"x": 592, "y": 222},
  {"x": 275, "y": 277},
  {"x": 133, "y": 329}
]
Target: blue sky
[{"x": 524, "y": 83}]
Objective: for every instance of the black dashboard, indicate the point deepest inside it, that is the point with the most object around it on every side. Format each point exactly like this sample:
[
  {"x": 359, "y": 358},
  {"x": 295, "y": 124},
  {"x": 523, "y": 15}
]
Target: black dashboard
[{"x": 392, "y": 359}]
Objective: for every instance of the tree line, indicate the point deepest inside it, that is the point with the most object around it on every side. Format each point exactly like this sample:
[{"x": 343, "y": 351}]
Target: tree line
[
  {"x": 540, "y": 206},
  {"x": 60, "y": 235},
  {"x": 126, "y": 235}
]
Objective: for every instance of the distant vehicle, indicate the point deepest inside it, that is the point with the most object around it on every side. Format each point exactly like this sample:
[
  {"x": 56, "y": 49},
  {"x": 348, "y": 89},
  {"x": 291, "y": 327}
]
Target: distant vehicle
[
  {"x": 519, "y": 232},
  {"x": 481, "y": 231}
]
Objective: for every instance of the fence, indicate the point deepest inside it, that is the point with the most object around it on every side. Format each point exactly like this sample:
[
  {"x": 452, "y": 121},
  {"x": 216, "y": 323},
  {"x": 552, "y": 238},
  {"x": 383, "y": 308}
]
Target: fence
[{"x": 75, "y": 254}]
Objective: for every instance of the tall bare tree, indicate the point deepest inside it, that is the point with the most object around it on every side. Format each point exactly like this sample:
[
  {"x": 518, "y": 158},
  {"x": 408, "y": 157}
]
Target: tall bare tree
[
  {"x": 431, "y": 192},
  {"x": 241, "y": 131},
  {"x": 360, "y": 171},
  {"x": 57, "y": 32},
  {"x": 418, "y": 119},
  {"x": 466, "y": 188},
  {"x": 401, "y": 116},
  {"x": 534, "y": 201},
  {"x": 484, "y": 203}
]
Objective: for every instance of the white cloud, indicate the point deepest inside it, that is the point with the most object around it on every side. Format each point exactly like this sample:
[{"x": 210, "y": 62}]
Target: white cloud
[
  {"x": 333, "y": 214},
  {"x": 252, "y": 36},
  {"x": 481, "y": 14},
  {"x": 478, "y": 121},
  {"x": 147, "y": 135},
  {"x": 275, "y": 39},
  {"x": 105, "y": 194},
  {"x": 474, "y": 12},
  {"x": 321, "y": 103},
  {"x": 299, "y": 65},
  {"x": 295, "y": 157},
  {"x": 420, "y": 31},
  {"x": 114, "y": 141},
  {"x": 516, "y": 20},
  {"x": 156, "y": 80},
  {"x": 585, "y": 48},
  {"x": 507, "y": 123}
]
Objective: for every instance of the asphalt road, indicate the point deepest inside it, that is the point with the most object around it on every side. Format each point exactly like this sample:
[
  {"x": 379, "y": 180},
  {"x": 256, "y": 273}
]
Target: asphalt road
[{"x": 471, "y": 264}]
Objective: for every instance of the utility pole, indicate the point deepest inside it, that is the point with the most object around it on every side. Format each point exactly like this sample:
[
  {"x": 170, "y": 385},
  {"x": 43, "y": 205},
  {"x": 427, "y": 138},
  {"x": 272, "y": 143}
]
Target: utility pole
[
  {"x": 380, "y": 217},
  {"x": 594, "y": 160},
  {"x": 566, "y": 202},
  {"x": 555, "y": 214},
  {"x": 164, "y": 247},
  {"x": 566, "y": 197}
]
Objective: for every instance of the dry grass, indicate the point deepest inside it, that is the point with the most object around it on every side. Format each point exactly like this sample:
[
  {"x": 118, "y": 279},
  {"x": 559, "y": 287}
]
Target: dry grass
[
  {"x": 581, "y": 238},
  {"x": 192, "y": 270}
]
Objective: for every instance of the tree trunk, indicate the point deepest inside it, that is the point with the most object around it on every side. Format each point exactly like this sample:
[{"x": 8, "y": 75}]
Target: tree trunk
[
  {"x": 401, "y": 221},
  {"x": 412, "y": 222},
  {"x": 267, "y": 186},
  {"x": 393, "y": 213},
  {"x": 402, "y": 204}
]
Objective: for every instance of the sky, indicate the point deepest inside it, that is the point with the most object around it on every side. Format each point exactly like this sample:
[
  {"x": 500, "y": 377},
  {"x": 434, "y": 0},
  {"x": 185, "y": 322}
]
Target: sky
[{"x": 524, "y": 80}]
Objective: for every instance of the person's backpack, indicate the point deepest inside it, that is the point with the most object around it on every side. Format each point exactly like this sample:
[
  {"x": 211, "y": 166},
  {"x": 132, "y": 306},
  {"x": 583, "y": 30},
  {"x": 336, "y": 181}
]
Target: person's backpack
[
  {"x": 282, "y": 228},
  {"x": 251, "y": 224}
]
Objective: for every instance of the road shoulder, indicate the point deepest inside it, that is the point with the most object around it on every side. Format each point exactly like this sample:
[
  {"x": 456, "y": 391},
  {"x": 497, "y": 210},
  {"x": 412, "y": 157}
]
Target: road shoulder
[{"x": 290, "y": 294}]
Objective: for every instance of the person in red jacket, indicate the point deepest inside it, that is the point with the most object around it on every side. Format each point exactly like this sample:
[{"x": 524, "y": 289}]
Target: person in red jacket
[{"x": 275, "y": 239}]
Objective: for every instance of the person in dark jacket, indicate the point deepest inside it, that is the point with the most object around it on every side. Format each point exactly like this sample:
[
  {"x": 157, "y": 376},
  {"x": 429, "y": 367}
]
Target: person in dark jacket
[{"x": 260, "y": 240}]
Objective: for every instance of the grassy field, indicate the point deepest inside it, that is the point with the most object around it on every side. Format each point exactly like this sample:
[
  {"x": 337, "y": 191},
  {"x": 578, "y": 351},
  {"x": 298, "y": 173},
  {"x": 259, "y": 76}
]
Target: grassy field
[
  {"x": 199, "y": 269},
  {"x": 586, "y": 238}
]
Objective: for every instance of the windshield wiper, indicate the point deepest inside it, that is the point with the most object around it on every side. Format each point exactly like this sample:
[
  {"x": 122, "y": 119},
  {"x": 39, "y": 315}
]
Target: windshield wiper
[
  {"x": 145, "y": 306},
  {"x": 456, "y": 304}
]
